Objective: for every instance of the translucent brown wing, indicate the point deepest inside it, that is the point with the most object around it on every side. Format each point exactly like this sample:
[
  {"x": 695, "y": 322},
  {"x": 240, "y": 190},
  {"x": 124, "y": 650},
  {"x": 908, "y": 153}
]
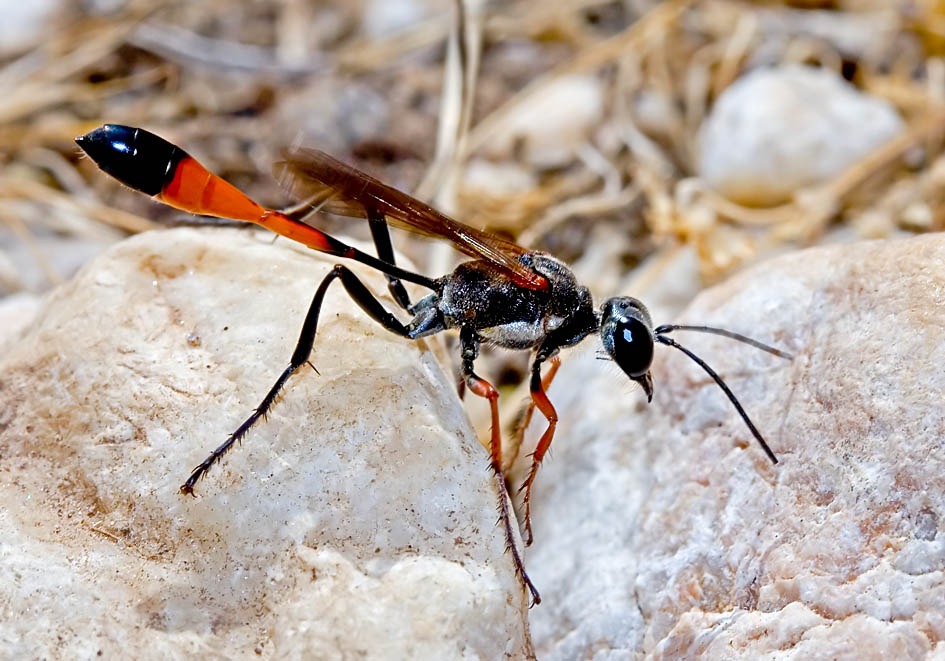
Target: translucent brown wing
[{"x": 338, "y": 188}]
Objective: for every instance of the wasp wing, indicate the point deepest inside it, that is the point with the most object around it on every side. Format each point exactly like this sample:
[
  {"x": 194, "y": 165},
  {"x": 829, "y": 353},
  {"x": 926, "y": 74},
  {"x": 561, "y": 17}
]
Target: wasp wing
[{"x": 327, "y": 184}]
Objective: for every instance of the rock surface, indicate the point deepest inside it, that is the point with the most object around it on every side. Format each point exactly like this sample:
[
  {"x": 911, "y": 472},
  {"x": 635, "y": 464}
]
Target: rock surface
[
  {"x": 382, "y": 18},
  {"x": 16, "y": 315},
  {"x": 359, "y": 520},
  {"x": 779, "y": 129},
  {"x": 665, "y": 530},
  {"x": 24, "y": 24},
  {"x": 551, "y": 125}
]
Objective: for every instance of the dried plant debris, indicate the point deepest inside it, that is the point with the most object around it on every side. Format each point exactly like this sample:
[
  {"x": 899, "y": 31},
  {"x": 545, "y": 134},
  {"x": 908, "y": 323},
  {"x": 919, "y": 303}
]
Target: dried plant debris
[{"x": 529, "y": 119}]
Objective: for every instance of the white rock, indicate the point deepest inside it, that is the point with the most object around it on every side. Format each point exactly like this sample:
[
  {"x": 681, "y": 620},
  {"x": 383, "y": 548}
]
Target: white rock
[
  {"x": 552, "y": 124},
  {"x": 382, "y": 18},
  {"x": 505, "y": 178},
  {"x": 24, "y": 24},
  {"x": 664, "y": 530},
  {"x": 357, "y": 113},
  {"x": 16, "y": 314},
  {"x": 65, "y": 252},
  {"x": 656, "y": 112},
  {"x": 777, "y": 130},
  {"x": 360, "y": 519},
  {"x": 861, "y": 35}
]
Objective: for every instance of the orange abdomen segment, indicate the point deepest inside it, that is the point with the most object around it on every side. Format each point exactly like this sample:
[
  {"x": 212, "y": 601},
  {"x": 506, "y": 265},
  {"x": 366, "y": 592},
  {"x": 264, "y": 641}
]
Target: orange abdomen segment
[{"x": 195, "y": 189}]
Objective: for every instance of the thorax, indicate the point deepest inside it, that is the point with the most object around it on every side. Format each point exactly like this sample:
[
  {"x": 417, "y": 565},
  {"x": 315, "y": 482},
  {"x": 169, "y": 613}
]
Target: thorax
[{"x": 479, "y": 296}]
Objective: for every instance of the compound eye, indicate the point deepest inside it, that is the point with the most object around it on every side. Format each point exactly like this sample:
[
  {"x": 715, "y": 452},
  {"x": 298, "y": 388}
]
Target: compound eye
[{"x": 633, "y": 347}]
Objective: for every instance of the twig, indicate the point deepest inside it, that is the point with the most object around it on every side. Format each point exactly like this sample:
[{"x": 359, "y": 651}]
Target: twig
[
  {"x": 188, "y": 48},
  {"x": 589, "y": 59}
]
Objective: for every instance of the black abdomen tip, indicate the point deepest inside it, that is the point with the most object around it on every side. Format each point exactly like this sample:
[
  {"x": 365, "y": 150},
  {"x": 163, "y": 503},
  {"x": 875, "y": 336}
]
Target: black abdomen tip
[{"x": 135, "y": 157}]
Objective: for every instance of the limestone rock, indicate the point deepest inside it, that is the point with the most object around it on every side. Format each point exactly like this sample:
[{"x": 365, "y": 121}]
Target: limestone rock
[
  {"x": 359, "y": 520},
  {"x": 663, "y": 529},
  {"x": 382, "y": 18},
  {"x": 16, "y": 314},
  {"x": 23, "y": 24},
  {"x": 551, "y": 125},
  {"x": 779, "y": 129}
]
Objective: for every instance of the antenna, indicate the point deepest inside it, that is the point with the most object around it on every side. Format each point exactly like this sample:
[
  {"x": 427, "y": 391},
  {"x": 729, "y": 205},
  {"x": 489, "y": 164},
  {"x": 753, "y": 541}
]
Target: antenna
[
  {"x": 663, "y": 339},
  {"x": 668, "y": 328}
]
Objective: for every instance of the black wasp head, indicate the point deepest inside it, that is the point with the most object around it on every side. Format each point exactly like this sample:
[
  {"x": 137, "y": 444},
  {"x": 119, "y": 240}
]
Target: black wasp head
[{"x": 627, "y": 334}]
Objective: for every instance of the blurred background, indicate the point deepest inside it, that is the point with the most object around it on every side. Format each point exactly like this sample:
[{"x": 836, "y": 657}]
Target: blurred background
[{"x": 639, "y": 140}]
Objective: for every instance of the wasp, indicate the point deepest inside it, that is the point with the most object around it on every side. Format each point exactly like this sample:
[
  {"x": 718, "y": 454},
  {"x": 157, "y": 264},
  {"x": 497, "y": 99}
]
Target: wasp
[{"x": 506, "y": 295}]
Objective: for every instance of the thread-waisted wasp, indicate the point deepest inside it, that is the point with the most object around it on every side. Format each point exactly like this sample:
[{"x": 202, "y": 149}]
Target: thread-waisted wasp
[{"x": 507, "y": 295}]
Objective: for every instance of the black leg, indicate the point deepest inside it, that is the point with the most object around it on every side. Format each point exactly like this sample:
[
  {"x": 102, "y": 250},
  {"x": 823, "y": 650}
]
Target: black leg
[
  {"x": 363, "y": 297},
  {"x": 385, "y": 250},
  {"x": 469, "y": 342}
]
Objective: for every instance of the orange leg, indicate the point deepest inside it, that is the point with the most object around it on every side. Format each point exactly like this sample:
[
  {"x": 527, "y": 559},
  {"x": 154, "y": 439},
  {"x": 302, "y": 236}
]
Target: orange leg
[
  {"x": 540, "y": 399},
  {"x": 525, "y": 419},
  {"x": 483, "y": 388},
  {"x": 479, "y": 386}
]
